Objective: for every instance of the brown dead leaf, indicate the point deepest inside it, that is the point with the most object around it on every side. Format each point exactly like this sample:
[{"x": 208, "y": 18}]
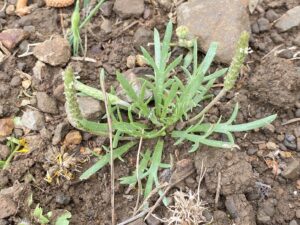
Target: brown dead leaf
[
  {"x": 272, "y": 164},
  {"x": 6, "y": 127}
]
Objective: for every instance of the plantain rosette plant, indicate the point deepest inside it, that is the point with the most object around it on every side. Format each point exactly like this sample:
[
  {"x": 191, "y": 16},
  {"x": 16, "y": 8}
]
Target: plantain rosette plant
[{"x": 170, "y": 102}]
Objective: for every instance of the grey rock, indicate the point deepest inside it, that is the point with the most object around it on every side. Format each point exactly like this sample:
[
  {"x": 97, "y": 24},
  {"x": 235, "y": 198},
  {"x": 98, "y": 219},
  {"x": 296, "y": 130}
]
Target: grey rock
[
  {"x": 240, "y": 209},
  {"x": 60, "y": 132},
  {"x": 292, "y": 171},
  {"x": 255, "y": 28},
  {"x": 106, "y": 8},
  {"x": 4, "y": 90},
  {"x": 252, "y": 151},
  {"x": 4, "y": 76},
  {"x": 29, "y": 29},
  {"x": 33, "y": 120},
  {"x": 55, "y": 52},
  {"x": 271, "y": 15},
  {"x": 142, "y": 37},
  {"x": 62, "y": 199},
  {"x": 228, "y": 18},
  {"x": 129, "y": 8},
  {"x": 90, "y": 107},
  {"x": 46, "y": 103},
  {"x": 263, "y": 24},
  {"x": 16, "y": 81},
  {"x": 285, "y": 54},
  {"x": 290, "y": 142},
  {"x": 106, "y": 26},
  {"x": 276, "y": 38},
  {"x": 262, "y": 218},
  {"x": 4, "y": 152},
  {"x": 289, "y": 20},
  {"x": 58, "y": 93},
  {"x": 166, "y": 4},
  {"x": 293, "y": 222},
  {"x": 221, "y": 218}
]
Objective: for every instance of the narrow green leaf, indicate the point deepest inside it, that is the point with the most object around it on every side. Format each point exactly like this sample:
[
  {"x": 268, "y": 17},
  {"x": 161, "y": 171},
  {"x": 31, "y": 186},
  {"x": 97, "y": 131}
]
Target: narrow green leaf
[{"x": 105, "y": 160}]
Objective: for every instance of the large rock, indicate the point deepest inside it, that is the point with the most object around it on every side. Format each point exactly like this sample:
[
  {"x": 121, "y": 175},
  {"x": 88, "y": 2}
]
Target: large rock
[
  {"x": 289, "y": 20},
  {"x": 55, "y": 52},
  {"x": 129, "y": 8},
  {"x": 221, "y": 21}
]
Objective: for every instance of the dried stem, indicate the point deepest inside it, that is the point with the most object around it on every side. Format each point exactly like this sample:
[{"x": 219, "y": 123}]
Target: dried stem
[
  {"x": 110, "y": 131},
  {"x": 137, "y": 177}
]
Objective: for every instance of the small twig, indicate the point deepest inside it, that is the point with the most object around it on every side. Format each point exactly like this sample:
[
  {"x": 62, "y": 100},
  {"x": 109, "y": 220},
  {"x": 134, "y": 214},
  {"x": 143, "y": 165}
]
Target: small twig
[
  {"x": 201, "y": 176},
  {"x": 141, "y": 214},
  {"x": 218, "y": 189},
  {"x": 291, "y": 121},
  {"x": 62, "y": 22},
  {"x": 137, "y": 176},
  {"x": 86, "y": 59},
  {"x": 112, "y": 176},
  {"x": 273, "y": 50}
]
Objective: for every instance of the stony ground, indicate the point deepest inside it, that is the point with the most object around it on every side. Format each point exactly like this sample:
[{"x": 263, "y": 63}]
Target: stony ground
[{"x": 258, "y": 183}]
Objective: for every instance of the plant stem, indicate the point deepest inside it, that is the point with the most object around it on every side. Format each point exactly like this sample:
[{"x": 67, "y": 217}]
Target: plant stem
[
  {"x": 112, "y": 169},
  {"x": 91, "y": 14},
  {"x": 208, "y": 107},
  {"x": 7, "y": 161}
]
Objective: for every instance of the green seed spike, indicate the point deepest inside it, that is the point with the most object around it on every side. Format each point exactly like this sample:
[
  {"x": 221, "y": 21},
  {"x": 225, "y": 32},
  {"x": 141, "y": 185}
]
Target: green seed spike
[
  {"x": 72, "y": 105},
  {"x": 237, "y": 62}
]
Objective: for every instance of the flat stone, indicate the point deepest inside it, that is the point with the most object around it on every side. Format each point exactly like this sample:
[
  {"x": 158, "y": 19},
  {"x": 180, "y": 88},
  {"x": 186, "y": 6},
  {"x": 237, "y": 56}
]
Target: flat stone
[
  {"x": 60, "y": 131},
  {"x": 10, "y": 38},
  {"x": 289, "y": 20},
  {"x": 46, "y": 103},
  {"x": 228, "y": 18},
  {"x": 263, "y": 24},
  {"x": 90, "y": 107},
  {"x": 292, "y": 171},
  {"x": 55, "y": 52},
  {"x": 33, "y": 120},
  {"x": 129, "y": 8}
]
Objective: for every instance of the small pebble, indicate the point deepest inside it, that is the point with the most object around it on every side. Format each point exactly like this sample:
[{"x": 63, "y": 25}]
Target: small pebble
[
  {"x": 286, "y": 54},
  {"x": 130, "y": 62},
  {"x": 16, "y": 81},
  {"x": 62, "y": 199},
  {"x": 271, "y": 145},
  {"x": 10, "y": 10},
  {"x": 271, "y": 15},
  {"x": 290, "y": 142},
  {"x": 255, "y": 28},
  {"x": 252, "y": 151},
  {"x": 73, "y": 138},
  {"x": 293, "y": 222},
  {"x": 263, "y": 24},
  {"x": 277, "y": 39}
]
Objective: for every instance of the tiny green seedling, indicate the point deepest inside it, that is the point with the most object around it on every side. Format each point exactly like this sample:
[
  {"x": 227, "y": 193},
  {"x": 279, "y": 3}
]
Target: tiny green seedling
[
  {"x": 77, "y": 25},
  {"x": 170, "y": 102},
  {"x": 16, "y": 146}
]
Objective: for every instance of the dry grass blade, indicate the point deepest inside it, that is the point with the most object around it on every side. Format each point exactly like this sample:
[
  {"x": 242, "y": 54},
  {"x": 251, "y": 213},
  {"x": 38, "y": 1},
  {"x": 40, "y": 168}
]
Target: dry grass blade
[
  {"x": 137, "y": 177},
  {"x": 188, "y": 207},
  {"x": 110, "y": 130}
]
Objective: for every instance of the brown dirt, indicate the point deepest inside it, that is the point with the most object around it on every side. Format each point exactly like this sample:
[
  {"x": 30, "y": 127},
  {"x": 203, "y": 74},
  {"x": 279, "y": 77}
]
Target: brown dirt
[{"x": 250, "y": 191}]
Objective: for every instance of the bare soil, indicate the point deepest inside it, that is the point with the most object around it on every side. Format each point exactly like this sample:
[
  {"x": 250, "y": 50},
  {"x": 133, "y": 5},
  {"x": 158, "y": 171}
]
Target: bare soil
[{"x": 251, "y": 192}]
